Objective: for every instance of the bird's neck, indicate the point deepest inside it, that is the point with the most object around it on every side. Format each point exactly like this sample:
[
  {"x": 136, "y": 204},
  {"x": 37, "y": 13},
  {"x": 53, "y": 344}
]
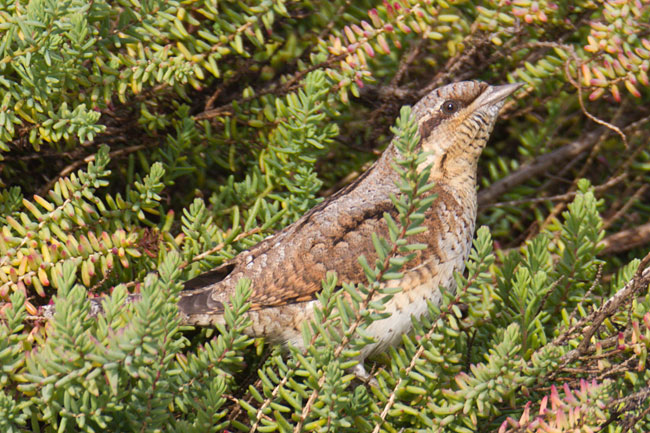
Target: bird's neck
[
  {"x": 457, "y": 171},
  {"x": 460, "y": 177}
]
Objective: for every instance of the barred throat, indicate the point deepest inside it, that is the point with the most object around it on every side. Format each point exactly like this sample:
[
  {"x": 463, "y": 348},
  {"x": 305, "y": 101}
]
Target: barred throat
[{"x": 457, "y": 165}]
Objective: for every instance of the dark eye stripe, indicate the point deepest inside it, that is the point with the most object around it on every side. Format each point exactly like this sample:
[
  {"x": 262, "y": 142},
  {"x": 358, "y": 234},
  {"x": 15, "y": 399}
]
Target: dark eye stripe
[{"x": 429, "y": 125}]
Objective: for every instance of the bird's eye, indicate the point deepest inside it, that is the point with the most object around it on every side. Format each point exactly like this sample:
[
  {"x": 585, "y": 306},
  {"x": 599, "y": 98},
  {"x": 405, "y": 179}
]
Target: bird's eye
[{"x": 449, "y": 107}]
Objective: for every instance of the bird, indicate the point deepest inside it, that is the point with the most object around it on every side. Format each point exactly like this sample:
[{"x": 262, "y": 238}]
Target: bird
[{"x": 286, "y": 269}]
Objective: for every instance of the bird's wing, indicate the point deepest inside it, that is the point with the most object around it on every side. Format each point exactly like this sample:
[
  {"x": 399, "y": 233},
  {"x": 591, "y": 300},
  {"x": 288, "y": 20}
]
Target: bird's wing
[{"x": 289, "y": 266}]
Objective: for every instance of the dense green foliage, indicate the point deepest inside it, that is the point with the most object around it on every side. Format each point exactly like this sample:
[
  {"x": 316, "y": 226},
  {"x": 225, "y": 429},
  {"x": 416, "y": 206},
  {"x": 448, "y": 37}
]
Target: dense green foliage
[{"x": 117, "y": 117}]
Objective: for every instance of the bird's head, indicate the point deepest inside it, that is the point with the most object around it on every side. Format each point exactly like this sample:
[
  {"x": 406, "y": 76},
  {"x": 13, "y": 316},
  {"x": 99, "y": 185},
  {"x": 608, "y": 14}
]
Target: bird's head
[{"x": 455, "y": 122}]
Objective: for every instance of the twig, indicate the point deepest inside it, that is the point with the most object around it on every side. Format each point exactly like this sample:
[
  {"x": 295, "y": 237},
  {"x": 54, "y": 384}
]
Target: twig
[
  {"x": 559, "y": 207},
  {"x": 577, "y": 85},
  {"x": 226, "y": 109},
  {"x": 639, "y": 192},
  {"x": 76, "y": 164},
  {"x": 405, "y": 62},
  {"x": 559, "y": 176},
  {"x": 561, "y": 197},
  {"x": 620, "y": 199},
  {"x": 628, "y": 424},
  {"x": 539, "y": 165},
  {"x": 631, "y": 402},
  {"x": 627, "y": 239},
  {"x": 219, "y": 247},
  {"x": 618, "y": 367},
  {"x": 227, "y": 82},
  {"x": 641, "y": 279}
]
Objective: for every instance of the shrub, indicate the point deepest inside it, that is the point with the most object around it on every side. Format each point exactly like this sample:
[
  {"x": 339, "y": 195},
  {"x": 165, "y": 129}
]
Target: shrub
[{"x": 240, "y": 116}]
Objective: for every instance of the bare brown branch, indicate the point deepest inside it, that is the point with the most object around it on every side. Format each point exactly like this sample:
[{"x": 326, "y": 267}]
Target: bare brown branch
[
  {"x": 627, "y": 239},
  {"x": 613, "y": 304},
  {"x": 538, "y": 166}
]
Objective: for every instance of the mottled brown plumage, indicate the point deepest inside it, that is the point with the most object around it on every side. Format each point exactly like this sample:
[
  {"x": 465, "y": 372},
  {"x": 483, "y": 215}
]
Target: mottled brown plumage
[{"x": 286, "y": 269}]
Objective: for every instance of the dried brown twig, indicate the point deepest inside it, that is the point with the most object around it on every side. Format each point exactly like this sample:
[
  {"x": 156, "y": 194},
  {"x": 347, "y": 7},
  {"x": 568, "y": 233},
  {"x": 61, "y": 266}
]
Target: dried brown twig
[
  {"x": 538, "y": 166},
  {"x": 561, "y": 197},
  {"x": 640, "y": 280},
  {"x": 623, "y": 210},
  {"x": 81, "y": 162},
  {"x": 627, "y": 239}
]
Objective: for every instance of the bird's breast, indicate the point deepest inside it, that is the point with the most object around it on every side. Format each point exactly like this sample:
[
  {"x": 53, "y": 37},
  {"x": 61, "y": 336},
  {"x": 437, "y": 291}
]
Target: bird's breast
[{"x": 450, "y": 224}]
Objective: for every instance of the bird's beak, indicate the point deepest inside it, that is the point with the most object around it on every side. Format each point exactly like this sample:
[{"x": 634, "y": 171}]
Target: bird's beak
[{"x": 495, "y": 94}]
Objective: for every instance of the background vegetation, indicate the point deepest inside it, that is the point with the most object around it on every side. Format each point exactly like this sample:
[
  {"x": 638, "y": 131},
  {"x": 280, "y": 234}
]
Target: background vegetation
[{"x": 143, "y": 142}]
